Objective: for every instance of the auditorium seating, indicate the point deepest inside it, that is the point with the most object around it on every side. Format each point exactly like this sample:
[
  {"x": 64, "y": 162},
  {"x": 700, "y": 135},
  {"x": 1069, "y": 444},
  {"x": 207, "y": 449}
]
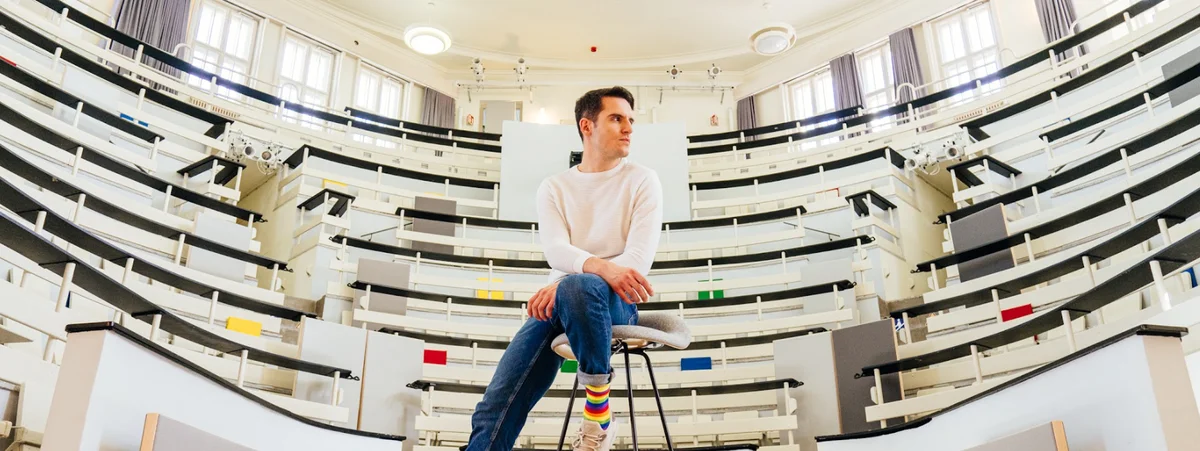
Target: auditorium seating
[{"x": 311, "y": 292}]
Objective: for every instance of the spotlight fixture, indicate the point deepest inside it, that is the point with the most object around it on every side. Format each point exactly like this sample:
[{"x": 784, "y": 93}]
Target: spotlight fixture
[
  {"x": 477, "y": 68},
  {"x": 520, "y": 70},
  {"x": 674, "y": 71},
  {"x": 773, "y": 40},
  {"x": 713, "y": 72},
  {"x": 426, "y": 40}
]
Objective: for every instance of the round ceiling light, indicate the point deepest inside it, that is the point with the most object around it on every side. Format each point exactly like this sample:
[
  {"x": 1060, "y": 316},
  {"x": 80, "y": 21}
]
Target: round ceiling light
[
  {"x": 426, "y": 39},
  {"x": 773, "y": 40}
]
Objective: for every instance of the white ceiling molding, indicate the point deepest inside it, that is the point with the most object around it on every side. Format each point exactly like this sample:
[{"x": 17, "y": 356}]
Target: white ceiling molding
[
  {"x": 318, "y": 15},
  {"x": 843, "y": 37},
  {"x": 690, "y": 79},
  {"x": 358, "y": 14}
]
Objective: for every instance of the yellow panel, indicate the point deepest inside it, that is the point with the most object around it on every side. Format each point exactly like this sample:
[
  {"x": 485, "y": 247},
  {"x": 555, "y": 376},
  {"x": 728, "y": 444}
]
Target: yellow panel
[
  {"x": 326, "y": 183},
  {"x": 433, "y": 194},
  {"x": 484, "y": 293},
  {"x": 244, "y": 326}
]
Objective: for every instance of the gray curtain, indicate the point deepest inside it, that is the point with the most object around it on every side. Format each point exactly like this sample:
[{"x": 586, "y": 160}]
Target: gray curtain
[
  {"x": 846, "y": 92},
  {"x": 438, "y": 109},
  {"x": 906, "y": 66},
  {"x": 159, "y": 23},
  {"x": 1056, "y": 17},
  {"x": 746, "y": 116}
]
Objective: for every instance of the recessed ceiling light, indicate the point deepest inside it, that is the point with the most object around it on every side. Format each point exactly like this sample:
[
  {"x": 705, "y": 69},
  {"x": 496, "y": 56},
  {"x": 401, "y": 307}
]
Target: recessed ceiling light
[
  {"x": 426, "y": 40},
  {"x": 773, "y": 40}
]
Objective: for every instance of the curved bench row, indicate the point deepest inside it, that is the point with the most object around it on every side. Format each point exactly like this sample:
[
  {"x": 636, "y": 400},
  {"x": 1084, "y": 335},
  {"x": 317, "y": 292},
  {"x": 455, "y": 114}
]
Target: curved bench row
[
  {"x": 47, "y": 46},
  {"x": 849, "y": 117},
  {"x": 1122, "y": 198},
  {"x": 1105, "y": 159},
  {"x": 178, "y": 63},
  {"x": 101, "y": 159},
  {"x": 26, "y": 206},
  {"x": 1006, "y": 284},
  {"x": 1151, "y": 269},
  {"x": 85, "y": 276}
]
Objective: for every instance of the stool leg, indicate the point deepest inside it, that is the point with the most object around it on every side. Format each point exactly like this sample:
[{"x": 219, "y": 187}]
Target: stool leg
[
  {"x": 629, "y": 392},
  {"x": 562, "y": 438},
  {"x": 661, "y": 415}
]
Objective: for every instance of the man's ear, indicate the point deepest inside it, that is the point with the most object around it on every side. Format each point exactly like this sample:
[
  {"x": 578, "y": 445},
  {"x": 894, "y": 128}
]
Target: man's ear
[{"x": 585, "y": 126}]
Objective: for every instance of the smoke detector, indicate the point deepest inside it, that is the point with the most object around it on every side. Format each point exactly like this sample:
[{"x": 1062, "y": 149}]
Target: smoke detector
[
  {"x": 478, "y": 69},
  {"x": 713, "y": 72},
  {"x": 521, "y": 69},
  {"x": 773, "y": 40},
  {"x": 674, "y": 71}
]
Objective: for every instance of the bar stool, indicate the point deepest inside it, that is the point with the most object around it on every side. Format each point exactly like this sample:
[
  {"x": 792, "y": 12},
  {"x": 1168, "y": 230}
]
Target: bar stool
[{"x": 654, "y": 330}]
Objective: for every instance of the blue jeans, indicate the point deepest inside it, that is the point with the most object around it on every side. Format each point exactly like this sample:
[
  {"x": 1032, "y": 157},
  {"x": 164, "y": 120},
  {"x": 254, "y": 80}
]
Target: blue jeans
[{"x": 586, "y": 308}]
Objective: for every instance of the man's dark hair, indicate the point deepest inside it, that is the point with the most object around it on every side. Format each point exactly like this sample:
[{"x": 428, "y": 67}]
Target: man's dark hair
[{"x": 590, "y": 104}]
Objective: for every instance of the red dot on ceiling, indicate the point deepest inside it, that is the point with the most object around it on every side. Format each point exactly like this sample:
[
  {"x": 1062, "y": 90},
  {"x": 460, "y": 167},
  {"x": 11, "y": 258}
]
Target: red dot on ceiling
[{"x": 593, "y": 49}]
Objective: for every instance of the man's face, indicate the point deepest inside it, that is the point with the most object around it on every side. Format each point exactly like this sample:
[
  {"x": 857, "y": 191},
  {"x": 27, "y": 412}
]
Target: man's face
[{"x": 613, "y": 127}]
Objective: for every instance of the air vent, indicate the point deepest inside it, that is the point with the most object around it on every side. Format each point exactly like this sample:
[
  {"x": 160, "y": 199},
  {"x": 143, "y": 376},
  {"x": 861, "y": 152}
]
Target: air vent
[
  {"x": 225, "y": 112},
  {"x": 979, "y": 111}
]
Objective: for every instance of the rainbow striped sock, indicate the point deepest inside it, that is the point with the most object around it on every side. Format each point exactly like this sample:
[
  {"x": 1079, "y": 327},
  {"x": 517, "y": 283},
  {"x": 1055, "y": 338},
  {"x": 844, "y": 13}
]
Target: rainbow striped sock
[{"x": 596, "y": 408}]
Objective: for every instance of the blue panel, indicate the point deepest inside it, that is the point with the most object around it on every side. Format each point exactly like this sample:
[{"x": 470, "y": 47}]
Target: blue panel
[{"x": 695, "y": 363}]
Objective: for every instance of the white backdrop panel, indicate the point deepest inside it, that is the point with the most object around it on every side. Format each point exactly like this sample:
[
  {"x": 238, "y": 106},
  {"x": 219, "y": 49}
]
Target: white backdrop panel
[{"x": 532, "y": 152}]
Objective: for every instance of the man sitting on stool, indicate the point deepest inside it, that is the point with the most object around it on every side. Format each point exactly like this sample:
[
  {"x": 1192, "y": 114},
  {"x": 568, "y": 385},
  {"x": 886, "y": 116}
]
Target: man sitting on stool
[{"x": 600, "y": 224}]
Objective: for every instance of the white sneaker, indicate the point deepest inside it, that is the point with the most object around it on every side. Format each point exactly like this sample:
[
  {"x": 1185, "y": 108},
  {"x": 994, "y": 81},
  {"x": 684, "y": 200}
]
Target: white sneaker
[{"x": 593, "y": 438}]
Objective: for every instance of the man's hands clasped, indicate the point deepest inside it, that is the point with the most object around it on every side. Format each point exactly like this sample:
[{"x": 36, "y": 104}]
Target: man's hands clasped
[
  {"x": 630, "y": 285},
  {"x": 541, "y": 305}
]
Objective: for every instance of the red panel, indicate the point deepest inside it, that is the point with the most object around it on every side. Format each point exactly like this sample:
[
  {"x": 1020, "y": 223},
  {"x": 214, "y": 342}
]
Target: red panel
[
  {"x": 1013, "y": 313},
  {"x": 435, "y": 357}
]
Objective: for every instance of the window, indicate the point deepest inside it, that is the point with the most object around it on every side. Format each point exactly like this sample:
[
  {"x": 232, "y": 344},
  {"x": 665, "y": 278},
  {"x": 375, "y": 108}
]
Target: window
[
  {"x": 875, "y": 75},
  {"x": 222, "y": 43},
  {"x": 812, "y": 95},
  {"x": 377, "y": 92},
  {"x": 305, "y": 76},
  {"x": 966, "y": 43},
  {"x": 875, "y": 78},
  {"x": 1145, "y": 18}
]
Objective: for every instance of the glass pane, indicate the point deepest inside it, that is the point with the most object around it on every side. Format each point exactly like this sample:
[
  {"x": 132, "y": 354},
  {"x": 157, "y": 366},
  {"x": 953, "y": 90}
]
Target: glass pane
[
  {"x": 241, "y": 37},
  {"x": 956, "y": 40},
  {"x": 319, "y": 66},
  {"x": 314, "y": 99},
  {"x": 204, "y": 26},
  {"x": 389, "y": 101},
  {"x": 987, "y": 37},
  {"x": 825, "y": 85},
  {"x": 293, "y": 58},
  {"x": 218, "y": 27},
  {"x": 944, "y": 42}
]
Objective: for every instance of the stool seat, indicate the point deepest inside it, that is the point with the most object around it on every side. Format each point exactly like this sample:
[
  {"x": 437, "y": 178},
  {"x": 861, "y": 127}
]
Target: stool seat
[{"x": 654, "y": 330}]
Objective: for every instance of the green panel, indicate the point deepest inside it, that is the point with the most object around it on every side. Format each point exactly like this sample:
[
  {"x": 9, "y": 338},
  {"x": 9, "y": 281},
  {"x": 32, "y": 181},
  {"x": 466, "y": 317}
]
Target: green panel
[
  {"x": 570, "y": 366},
  {"x": 716, "y": 294}
]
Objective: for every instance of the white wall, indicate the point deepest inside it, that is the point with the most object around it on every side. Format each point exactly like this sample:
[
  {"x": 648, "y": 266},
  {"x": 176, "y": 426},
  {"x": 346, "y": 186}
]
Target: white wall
[
  {"x": 313, "y": 22},
  {"x": 533, "y": 152},
  {"x": 816, "y": 52},
  {"x": 556, "y": 105},
  {"x": 1016, "y": 24}
]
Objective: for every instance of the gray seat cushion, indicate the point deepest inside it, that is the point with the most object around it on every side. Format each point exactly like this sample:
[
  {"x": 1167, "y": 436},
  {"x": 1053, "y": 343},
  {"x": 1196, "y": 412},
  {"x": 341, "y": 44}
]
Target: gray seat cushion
[{"x": 667, "y": 329}]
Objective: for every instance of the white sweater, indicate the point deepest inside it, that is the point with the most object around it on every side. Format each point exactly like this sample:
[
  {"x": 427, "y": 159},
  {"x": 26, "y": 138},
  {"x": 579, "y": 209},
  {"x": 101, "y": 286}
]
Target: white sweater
[{"x": 614, "y": 215}]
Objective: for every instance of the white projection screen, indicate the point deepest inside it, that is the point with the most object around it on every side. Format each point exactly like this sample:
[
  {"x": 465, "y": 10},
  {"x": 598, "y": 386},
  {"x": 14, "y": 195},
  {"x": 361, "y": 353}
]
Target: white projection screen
[{"x": 532, "y": 152}]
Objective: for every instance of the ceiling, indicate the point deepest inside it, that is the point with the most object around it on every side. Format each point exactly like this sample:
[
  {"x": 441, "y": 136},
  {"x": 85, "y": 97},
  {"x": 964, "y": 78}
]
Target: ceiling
[{"x": 628, "y": 34}]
